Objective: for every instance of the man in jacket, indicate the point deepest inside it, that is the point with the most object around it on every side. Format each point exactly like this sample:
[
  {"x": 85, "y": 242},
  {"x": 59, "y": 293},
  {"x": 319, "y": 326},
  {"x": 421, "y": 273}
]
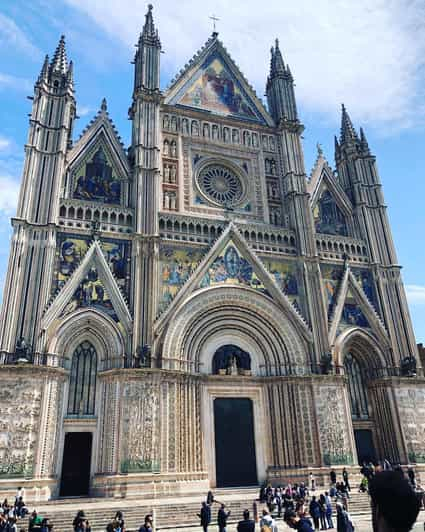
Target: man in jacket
[
  {"x": 302, "y": 524},
  {"x": 222, "y": 517},
  {"x": 394, "y": 503},
  {"x": 247, "y": 525},
  {"x": 205, "y": 516}
]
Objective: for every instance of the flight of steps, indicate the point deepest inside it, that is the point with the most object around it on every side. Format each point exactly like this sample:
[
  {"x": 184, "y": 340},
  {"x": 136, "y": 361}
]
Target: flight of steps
[{"x": 170, "y": 514}]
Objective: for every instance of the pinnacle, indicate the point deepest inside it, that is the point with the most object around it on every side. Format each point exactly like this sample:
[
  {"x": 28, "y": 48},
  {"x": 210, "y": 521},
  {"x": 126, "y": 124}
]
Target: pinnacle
[
  {"x": 277, "y": 65},
  {"x": 104, "y": 105},
  {"x": 149, "y": 27},
  {"x": 59, "y": 62},
  {"x": 348, "y": 133},
  {"x": 44, "y": 69}
]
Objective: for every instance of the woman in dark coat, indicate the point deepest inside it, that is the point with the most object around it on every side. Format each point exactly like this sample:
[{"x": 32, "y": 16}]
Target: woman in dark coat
[{"x": 205, "y": 516}]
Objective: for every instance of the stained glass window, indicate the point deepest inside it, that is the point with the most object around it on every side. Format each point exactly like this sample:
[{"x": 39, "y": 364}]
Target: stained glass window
[
  {"x": 82, "y": 382},
  {"x": 356, "y": 387}
]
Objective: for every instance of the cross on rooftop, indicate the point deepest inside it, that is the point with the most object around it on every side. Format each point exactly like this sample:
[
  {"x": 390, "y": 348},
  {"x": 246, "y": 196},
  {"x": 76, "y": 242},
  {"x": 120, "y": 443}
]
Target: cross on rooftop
[{"x": 214, "y": 19}]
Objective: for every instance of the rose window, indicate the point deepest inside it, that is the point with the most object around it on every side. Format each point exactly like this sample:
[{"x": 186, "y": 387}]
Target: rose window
[{"x": 221, "y": 185}]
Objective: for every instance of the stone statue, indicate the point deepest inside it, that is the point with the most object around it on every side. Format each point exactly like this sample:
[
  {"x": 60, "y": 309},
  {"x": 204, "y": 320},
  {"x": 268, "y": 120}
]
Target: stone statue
[
  {"x": 408, "y": 366},
  {"x": 173, "y": 149},
  {"x": 23, "y": 351},
  {"x": 326, "y": 363},
  {"x": 233, "y": 369},
  {"x": 142, "y": 357},
  {"x": 173, "y": 174},
  {"x": 185, "y": 127}
]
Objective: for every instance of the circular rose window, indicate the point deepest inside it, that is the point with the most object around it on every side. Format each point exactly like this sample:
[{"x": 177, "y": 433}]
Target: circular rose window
[{"x": 220, "y": 185}]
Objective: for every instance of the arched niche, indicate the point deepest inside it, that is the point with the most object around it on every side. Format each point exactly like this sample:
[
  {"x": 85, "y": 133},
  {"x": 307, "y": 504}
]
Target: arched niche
[{"x": 218, "y": 315}]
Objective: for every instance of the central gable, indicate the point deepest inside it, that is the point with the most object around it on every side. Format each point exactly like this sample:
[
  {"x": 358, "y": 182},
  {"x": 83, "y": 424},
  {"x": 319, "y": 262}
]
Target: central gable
[{"x": 213, "y": 83}]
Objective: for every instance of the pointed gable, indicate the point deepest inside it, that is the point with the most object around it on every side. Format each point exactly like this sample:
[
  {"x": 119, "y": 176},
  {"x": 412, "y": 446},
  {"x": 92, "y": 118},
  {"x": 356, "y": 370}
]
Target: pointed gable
[
  {"x": 212, "y": 82},
  {"x": 353, "y": 309},
  {"x": 97, "y": 163},
  {"x": 331, "y": 207},
  {"x": 231, "y": 261},
  {"x": 91, "y": 285}
]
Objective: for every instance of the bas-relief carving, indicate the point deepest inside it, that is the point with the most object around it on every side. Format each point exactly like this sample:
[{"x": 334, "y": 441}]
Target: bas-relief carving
[
  {"x": 140, "y": 427},
  {"x": 20, "y": 405},
  {"x": 333, "y": 425},
  {"x": 411, "y": 406}
]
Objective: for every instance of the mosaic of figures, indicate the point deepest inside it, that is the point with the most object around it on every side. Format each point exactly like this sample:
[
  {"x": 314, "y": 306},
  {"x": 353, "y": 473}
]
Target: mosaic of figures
[
  {"x": 176, "y": 267},
  {"x": 231, "y": 267},
  {"x": 91, "y": 293},
  {"x": 72, "y": 248},
  {"x": 286, "y": 276},
  {"x": 332, "y": 276},
  {"x": 328, "y": 217},
  {"x": 352, "y": 314},
  {"x": 211, "y": 131},
  {"x": 20, "y": 404},
  {"x": 96, "y": 179},
  {"x": 216, "y": 90},
  {"x": 366, "y": 281}
]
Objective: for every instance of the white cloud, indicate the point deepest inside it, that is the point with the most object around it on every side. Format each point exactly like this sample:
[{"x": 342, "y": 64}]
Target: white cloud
[
  {"x": 11, "y": 36},
  {"x": 5, "y": 143},
  {"x": 367, "y": 53},
  {"x": 12, "y": 82},
  {"x": 84, "y": 110},
  {"x": 9, "y": 188},
  {"x": 415, "y": 294}
]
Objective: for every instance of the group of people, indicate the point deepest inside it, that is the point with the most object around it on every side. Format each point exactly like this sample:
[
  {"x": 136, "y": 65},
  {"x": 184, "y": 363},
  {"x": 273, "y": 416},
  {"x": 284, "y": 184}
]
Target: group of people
[{"x": 12, "y": 513}]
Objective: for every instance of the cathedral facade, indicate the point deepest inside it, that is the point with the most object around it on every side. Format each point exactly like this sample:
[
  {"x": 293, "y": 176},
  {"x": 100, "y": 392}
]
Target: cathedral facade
[{"x": 196, "y": 311}]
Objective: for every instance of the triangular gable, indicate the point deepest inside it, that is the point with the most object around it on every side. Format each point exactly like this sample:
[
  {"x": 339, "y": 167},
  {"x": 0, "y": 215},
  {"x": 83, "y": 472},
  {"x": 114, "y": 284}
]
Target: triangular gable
[
  {"x": 98, "y": 142},
  {"x": 91, "y": 285},
  {"x": 243, "y": 268},
  {"x": 213, "y": 82},
  {"x": 332, "y": 209},
  {"x": 353, "y": 309}
]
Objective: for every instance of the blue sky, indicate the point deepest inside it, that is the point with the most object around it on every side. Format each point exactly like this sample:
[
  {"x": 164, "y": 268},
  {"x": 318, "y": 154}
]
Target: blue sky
[{"x": 364, "y": 53}]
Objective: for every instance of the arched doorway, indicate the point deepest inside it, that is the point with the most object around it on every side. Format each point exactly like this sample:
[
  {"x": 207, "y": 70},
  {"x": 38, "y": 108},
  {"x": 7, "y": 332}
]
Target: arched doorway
[
  {"x": 77, "y": 452},
  {"x": 360, "y": 409}
]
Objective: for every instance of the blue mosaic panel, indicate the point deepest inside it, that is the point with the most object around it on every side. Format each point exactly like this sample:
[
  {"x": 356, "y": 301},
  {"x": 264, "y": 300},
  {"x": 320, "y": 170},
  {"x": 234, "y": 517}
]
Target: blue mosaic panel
[
  {"x": 328, "y": 217},
  {"x": 71, "y": 250},
  {"x": 96, "y": 180},
  {"x": 332, "y": 276}
]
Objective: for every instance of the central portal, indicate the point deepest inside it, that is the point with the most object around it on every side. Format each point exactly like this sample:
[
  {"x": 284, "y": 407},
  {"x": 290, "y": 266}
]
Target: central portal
[
  {"x": 76, "y": 464},
  {"x": 235, "y": 458}
]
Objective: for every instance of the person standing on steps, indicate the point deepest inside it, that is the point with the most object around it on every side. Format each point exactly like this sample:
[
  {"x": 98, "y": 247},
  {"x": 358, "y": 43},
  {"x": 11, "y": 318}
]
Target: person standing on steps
[
  {"x": 148, "y": 524},
  {"x": 222, "y": 517},
  {"x": 332, "y": 475},
  {"x": 205, "y": 516},
  {"x": 247, "y": 525},
  {"x": 302, "y": 524},
  {"x": 345, "y": 478}
]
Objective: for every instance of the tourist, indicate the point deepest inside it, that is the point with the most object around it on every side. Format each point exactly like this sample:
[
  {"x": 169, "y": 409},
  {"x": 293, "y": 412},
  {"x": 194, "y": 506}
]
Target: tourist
[
  {"x": 363, "y": 485},
  {"x": 394, "y": 503},
  {"x": 11, "y": 525},
  {"x": 45, "y": 526},
  {"x": 332, "y": 475},
  {"x": 314, "y": 510},
  {"x": 210, "y": 498},
  {"x": 148, "y": 524},
  {"x": 343, "y": 521},
  {"x": 329, "y": 511},
  {"x": 119, "y": 520},
  {"x": 247, "y": 524},
  {"x": 205, "y": 516},
  {"x": 35, "y": 521},
  {"x": 222, "y": 517},
  {"x": 302, "y": 524},
  {"x": 345, "y": 478},
  {"x": 20, "y": 507},
  {"x": 267, "y": 523},
  {"x": 312, "y": 482},
  {"x": 322, "y": 507},
  {"x": 300, "y": 508},
  {"x": 80, "y": 522}
]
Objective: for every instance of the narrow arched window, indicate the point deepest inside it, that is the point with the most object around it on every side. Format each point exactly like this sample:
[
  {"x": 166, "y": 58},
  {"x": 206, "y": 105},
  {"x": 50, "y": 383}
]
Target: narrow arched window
[
  {"x": 356, "y": 387},
  {"x": 82, "y": 382}
]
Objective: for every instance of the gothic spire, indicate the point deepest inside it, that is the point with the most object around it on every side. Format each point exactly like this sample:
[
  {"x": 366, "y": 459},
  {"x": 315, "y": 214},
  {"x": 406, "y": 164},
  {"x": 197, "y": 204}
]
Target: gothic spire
[
  {"x": 44, "y": 73},
  {"x": 348, "y": 133},
  {"x": 70, "y": 75},
  {"x": 146, "y": 60},
  {"x": 363, "y": 142},
  {"x": 278, "y": 65},
  {"x": 59, "y": 62}
]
